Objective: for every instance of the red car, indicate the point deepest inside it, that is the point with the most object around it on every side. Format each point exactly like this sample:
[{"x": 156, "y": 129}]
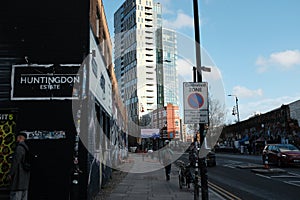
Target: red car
[{"x": 281, "y": 154}]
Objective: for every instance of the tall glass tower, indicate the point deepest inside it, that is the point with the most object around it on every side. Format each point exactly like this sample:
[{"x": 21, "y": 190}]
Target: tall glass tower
[
  {"x": 135, "y": 56},
  {"x": 145, "y": 60},
  {"x": 167, "y": 71}
]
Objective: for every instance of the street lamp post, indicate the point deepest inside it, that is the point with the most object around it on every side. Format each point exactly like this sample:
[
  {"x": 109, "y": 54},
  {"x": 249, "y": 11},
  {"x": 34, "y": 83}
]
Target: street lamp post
[
  {"x": 237, "y": 106},
  {"x": 201, "y": 161}
]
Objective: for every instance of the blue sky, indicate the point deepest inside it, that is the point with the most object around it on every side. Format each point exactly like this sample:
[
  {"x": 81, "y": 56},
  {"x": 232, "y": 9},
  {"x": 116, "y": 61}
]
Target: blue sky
[{"x": 252, "y": 46}]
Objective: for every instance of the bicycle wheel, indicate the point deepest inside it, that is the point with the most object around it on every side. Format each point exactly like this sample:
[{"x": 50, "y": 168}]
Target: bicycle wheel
[{"x": 180, "y": 179}]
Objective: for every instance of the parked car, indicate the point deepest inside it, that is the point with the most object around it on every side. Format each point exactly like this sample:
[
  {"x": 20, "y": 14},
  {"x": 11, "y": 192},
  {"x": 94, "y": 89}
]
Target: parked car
[
  {"x": 281, "y": 154},
  {"x": 210, "y": 157}
]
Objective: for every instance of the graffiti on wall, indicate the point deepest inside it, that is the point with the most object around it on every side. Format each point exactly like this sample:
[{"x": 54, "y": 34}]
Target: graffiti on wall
[{"x": 7, "y": 145}]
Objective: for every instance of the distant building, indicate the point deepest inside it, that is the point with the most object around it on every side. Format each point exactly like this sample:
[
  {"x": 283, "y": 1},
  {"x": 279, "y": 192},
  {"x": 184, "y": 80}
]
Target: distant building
[
  {"x": 135, "y": 59},
  {"x": 277, "y": 126},
  {"x": 135, "y": 56},
  {"x": 145, "y": 62},
  {"x": 295, "y": 110},
  {"x": 167, "y": 119},
  {"x": 167, "y": 71},
  {"x": 183, "y": 134}
]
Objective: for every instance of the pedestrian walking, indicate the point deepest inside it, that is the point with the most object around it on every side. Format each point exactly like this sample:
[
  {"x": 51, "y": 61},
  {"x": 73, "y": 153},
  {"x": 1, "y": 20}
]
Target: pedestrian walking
[
  {"x": 20, "y": 173},
  {"x": 167, "y": 154}
]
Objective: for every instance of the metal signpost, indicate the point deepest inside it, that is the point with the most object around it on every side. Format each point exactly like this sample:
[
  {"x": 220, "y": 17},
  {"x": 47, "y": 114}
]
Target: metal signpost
[
  {"x": 196, "y": 112},
  {"x": 195, "y": 102},
  {"x": 202, "y": 162}
]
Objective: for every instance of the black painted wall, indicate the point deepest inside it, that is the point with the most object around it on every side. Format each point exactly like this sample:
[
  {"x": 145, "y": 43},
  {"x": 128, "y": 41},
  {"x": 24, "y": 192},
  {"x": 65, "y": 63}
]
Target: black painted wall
[{"x": 44, "y": 32}]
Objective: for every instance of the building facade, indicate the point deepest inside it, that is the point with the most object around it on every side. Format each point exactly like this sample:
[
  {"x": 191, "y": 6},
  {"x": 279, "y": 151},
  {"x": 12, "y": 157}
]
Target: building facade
[
  {"x": 295, "y": 110},
  {"x": 135, "y": 60},
  {"x": 145, "y": 61},
  {"x": 183, "y": 133},
  {"x": 276, "y": 126},
  {"x": 57, "y": 86},
  {"x": 167, "y": 71},
  {"x": 167, "y": 119}
]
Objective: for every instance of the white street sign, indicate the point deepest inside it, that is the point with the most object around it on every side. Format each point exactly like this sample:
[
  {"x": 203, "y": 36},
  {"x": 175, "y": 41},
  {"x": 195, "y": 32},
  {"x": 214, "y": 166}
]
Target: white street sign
[{"x": 195, "y": 102}]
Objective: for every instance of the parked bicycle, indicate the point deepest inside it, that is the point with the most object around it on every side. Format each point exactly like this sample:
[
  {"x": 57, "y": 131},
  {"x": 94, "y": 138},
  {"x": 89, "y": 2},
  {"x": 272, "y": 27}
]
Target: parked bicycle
[
  {"x": 189, "y": 172},
  {"x": 185, "y": 175}
]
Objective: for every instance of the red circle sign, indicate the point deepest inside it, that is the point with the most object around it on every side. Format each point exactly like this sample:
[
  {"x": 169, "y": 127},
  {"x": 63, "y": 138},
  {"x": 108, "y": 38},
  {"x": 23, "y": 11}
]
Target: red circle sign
[{"x": 195, "y": 100}]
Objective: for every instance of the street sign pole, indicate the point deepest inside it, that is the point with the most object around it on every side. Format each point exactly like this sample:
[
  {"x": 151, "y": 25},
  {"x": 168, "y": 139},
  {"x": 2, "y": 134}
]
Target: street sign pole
[
  {"x": 202, "y": 164},
  {"x": 196, "y": 181}
]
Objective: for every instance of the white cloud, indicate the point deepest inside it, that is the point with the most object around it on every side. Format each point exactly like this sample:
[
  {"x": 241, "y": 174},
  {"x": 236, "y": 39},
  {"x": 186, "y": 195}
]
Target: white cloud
[
  {"x": 185, "y": 69},
  {"x": 287, "y": 58},
  {"x": 243, "y": 92},
  {"x": 284, "y": 60},
  {"x": 182, "y": 20},
  {"x": 248, "y": 110}
]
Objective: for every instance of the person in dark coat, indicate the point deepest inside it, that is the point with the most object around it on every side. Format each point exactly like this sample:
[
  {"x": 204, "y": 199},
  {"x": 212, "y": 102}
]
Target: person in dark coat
[{"x": 19, "y": 175}]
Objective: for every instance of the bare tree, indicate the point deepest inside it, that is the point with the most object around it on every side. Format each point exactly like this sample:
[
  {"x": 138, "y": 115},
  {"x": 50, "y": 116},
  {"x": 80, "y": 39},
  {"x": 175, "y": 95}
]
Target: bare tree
[
  {"x": 217, "y": 113},
  {"x": 217, "y": 117}
]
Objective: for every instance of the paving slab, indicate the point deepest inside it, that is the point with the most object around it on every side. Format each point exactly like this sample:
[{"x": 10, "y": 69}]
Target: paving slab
[{"x": 153, "y": 186}]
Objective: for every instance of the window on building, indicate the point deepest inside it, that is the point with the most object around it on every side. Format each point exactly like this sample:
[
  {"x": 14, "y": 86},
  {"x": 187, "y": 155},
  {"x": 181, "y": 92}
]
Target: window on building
[
  {"x": 94, "y": 67},
  {"x": 102, "y": 83}
]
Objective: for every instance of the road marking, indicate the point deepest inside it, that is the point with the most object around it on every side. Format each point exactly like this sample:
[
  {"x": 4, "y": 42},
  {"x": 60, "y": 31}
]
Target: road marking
[
  {"x": 263, "y": 176},
  {"x": 223, "y": 192},
  {"x": 285, "y": 176},
  {"x": 293, "y": 183},
  {"x": 295, "y": 174},
  {"x": 216, "y": 193},
  {"x": 230, "y": 166},
  {"x": 235, "y": 162}
]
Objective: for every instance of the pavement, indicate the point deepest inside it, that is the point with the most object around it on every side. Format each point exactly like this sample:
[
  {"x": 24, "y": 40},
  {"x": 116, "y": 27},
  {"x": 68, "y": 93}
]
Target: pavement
[{"x": 152, "y": 185}]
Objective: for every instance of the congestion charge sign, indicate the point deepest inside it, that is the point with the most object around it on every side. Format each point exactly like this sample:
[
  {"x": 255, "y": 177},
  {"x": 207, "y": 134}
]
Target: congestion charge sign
[{"x": 195, "y": 102}]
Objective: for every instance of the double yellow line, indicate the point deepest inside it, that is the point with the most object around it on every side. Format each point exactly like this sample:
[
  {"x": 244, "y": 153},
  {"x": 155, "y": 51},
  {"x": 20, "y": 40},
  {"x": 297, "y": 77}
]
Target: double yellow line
[{"x": 222, "y": 192}]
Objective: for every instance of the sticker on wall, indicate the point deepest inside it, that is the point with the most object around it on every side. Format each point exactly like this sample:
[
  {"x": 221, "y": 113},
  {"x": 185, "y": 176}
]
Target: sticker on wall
[{"x": 44, "y": 135}]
